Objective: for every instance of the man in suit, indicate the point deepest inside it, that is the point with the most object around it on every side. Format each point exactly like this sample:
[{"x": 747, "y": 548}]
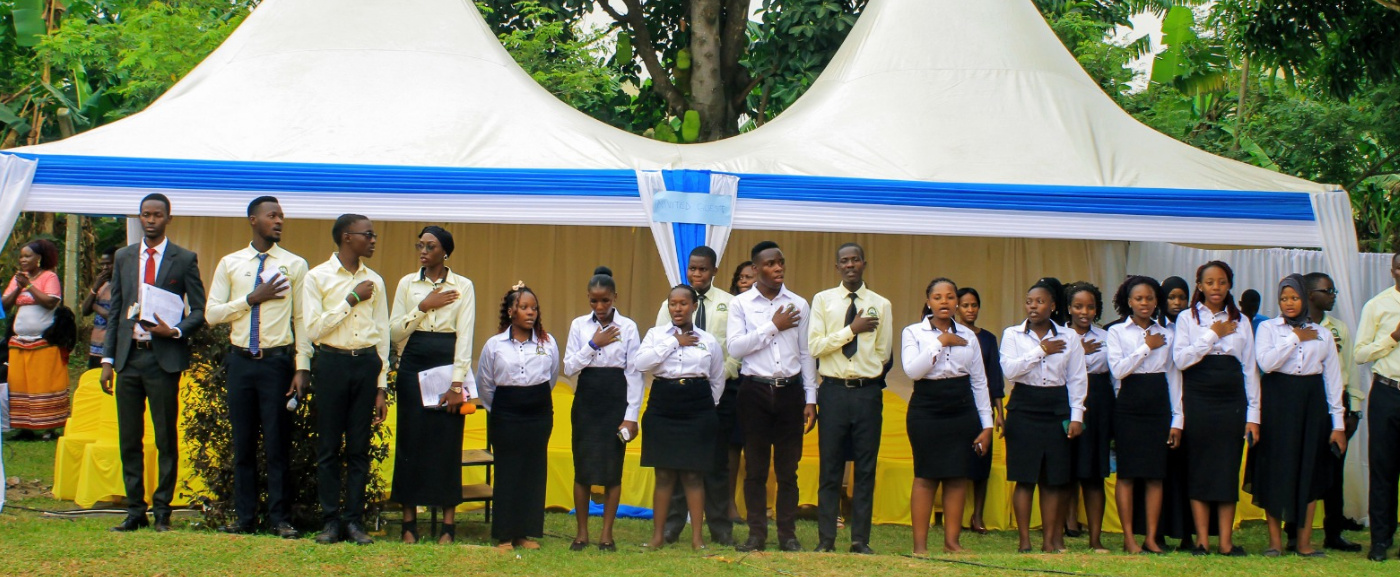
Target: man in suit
[{"x": 145, "y": 359}]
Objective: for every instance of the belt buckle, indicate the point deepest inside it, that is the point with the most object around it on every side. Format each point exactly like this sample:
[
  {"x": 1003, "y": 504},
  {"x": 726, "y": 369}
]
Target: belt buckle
[
  {"x": 354, "y": 352},
  {"x": 255, "y": 356},
  {"x": 849, "y": 383}
]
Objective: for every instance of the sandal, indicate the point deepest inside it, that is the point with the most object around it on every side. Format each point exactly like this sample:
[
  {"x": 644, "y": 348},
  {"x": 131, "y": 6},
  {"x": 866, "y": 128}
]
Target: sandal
[
  {"x": 450, "y": 531},
  {"x": 610, "y": 546},
  {"x": 578, "y": 545},
  {"x": 1272, "y": 553},
  {"x": 410, "y": 528}
]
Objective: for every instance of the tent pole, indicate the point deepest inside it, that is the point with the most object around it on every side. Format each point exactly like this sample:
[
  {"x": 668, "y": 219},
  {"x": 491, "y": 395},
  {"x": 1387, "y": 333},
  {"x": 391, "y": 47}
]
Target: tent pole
[{"x": 70, "y": 260}]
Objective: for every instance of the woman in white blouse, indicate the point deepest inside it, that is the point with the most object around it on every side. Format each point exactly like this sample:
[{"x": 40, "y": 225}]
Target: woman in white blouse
[
  {"x": 607, "y": 398},
  {"x": 1214, "y": 348},
  {"x": 1045, "y": 412},
  {"x": 687, "y": 368},
  {"x": 431, "y": 326},
  {"x": 1302, "y": 412},
  {"x": 1147, "y": 415},
  {"x": 950, "y": 413},
  {"x": 1090, "y": 450},
  {"x": 516, "y": 372}
]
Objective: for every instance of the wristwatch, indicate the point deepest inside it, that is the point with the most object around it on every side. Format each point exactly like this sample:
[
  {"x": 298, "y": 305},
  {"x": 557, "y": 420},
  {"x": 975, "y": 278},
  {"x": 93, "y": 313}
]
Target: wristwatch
[{"x": 456, "y": 389}]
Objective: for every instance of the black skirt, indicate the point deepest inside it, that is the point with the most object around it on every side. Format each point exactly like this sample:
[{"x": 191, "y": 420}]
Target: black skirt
[
  {"x": 1214, "y": 402},
  {"x": 1037, "y": 448},
  {"x": 942, "y": 423},
  {"x": 428, "y": 442},
  {"x": 679, "y": 427},
  {"x": 1142, "y": 423},
  {"x": 520, "y": 422},
  {"x": 1090, "y": 449},
  {"x": 1291, "y": 465},
  {"x": 600, "y": 404}
]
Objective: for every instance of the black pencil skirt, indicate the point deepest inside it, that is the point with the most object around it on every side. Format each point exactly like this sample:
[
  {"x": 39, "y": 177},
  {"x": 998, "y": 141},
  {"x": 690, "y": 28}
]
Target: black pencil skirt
[
  {"x": 600, "y": 404},
  {"x": 1037, "y": 448},
  {"x": 1213, "y": 399},
  {"x": 428, "y": 442},
  {"x": 1090, "y": 449},
  {"x": 1142, "y": 423},
  {"x": 520, "y": 422},
  {"x": 679, "y": 427},
  {"x": 942, "y": 424},
  {"x": 1291, "y": 465}
]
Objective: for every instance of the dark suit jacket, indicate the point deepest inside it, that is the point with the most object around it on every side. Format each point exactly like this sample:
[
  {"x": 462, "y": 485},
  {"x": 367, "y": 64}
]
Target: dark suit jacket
[{"x": 179, "y": 274}]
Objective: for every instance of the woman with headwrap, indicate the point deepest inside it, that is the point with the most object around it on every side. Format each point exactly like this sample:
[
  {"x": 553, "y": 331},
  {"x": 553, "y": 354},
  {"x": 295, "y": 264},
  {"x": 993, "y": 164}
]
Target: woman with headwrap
[
  {"x": 1301, "y": 418},
  {"x": 431, "y": 326}
]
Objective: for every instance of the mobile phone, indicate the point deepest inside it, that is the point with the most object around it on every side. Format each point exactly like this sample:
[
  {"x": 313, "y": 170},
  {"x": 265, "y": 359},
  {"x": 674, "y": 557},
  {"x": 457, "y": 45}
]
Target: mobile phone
[
  {"x": 624, "y": 435},
  {"x": 1336, "y": 449}
]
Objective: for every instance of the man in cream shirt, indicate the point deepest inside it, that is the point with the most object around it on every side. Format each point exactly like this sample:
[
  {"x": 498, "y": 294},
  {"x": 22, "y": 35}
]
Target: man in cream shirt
[{"x": 1376, "y": 336}]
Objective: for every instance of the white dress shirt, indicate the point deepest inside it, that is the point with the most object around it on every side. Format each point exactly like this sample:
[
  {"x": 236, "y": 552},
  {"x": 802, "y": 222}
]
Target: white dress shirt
[
  {"x": 1279, "y": 350},
  {"x": 1194, "y": 341},
  {"x": 1024, "y": 362},
  {"x": 663, "y": 356},
  {"x": 139, "y": 332},
  {"x": 762, "y": 349},
  {"x": 616, "y": 355},
  {"x": 507, "y": 363},
  {"x": 1128, "y": 354},
  {"x": 924, "y": 357},
  {"x": 1095, "y": 363}
]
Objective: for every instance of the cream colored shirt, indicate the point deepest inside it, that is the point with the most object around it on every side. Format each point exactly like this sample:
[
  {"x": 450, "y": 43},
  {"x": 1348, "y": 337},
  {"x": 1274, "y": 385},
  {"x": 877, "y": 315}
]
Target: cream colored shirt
[
  {"x": 331, "y": 321},
  {"x": 281, "y": 321},
  {"x": 716, "y": 303},
  {"x": 1342, "y": 337},
  {"x": 458, "y": 318},
  {"x": 828, "y": 332},
  {"x": 1373, "y": 343}
]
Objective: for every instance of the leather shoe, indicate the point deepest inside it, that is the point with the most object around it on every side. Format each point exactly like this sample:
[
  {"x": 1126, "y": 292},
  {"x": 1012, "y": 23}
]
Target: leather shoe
[
  {"x": 671, "y": 536},
  {"x": 751, "y": 545},
  {"x": 862, "y": 549},
  {"x": 285, "y": 530},
  {"x": 237, "y": 529},
  {"x": 1340, "y": 543},
  {"x": 330, "y": 534},
  {"x": 791, "y": 545},
  {"x": 825, "y": 546},
  {"x": 1377, "y": 554},
  {"x": 131, "y": 523},
  {"x": 354, "y": 532},
  {"x": 725, "y": 539},
  {"x": 162, "y": 523}
]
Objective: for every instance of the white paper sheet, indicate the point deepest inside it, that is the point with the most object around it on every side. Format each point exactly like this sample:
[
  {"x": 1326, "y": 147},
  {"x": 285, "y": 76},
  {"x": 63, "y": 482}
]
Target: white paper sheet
[
  {"x": 433, "y": 384},
  {"x": 267, "y": 277},
  {"x": 154, "y": 301}
]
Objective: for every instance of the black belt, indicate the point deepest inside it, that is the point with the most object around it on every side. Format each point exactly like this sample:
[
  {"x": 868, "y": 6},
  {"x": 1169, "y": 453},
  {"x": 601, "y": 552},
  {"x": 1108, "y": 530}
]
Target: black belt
[
  {"x": 347, "y": 352},
  {"x": 1389, "y": 382},
  {"x": 684, "y": 381},
  {"x": 854, "y": 383},
  {"x": 135, "y": 344},
  {"x": 775, "y": 383},
  {"x": 264, "y": 352}
]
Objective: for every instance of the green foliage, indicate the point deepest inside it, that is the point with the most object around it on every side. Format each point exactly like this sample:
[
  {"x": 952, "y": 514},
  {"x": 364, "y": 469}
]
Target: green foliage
[
  {"x": 794, "y": 41},
  {"x": 209, "y": 440},
  {"x": 560, "y": 58}
]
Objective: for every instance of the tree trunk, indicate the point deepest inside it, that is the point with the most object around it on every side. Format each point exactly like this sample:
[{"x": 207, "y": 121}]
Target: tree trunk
[{"x": 707, "y": 83}]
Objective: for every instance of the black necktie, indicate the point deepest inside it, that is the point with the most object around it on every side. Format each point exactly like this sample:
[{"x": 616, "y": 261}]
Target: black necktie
[
  {"x": 849, "y": 349},
  {"x": 700, "y": 314}
]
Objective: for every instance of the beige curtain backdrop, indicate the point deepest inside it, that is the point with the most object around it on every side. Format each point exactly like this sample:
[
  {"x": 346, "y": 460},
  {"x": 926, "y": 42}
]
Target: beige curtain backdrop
[{"x": 557, "y": 261}]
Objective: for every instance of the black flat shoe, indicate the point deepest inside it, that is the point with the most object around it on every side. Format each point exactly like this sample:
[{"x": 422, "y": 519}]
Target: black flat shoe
[
  {"x": 1199, "y": 551},
  {"x": 751, "y": 545},
  {"x": 722, "y": 540},
  {"x": 1377, "y": 554},
  {"x": 670, "y": 537},
  {"x": 330, "y": 534},
  {"x": 609, "y": 547},
  {"x": 285, "y": 530},
  {"x": 131, "y": 523},
  {"x": 1341, "y": 544},
  {"x": 355, "y": 533},
  {"x": 236, "y": 529},
  {"x": 1073, "y": 534},
  {"x": 861, "y": 549},
  {"x": 791, "y": 545},
  {"x": 825, "y": 546},
  {"x": 1314, "y": 554},
  {"x": 162, "y": 523},
  {"x": 1235, "y": 551},
  {"x": 578, "y": 545}
]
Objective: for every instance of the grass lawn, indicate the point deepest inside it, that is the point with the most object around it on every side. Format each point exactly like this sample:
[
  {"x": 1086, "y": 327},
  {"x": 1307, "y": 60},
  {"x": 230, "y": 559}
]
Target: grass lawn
[{"x": 32, "y": 544}]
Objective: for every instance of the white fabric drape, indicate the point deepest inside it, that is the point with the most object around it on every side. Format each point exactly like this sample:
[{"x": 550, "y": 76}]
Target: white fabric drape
[
  {"x": 716, "y": 237},
  {"x": 16, "y": 177}
]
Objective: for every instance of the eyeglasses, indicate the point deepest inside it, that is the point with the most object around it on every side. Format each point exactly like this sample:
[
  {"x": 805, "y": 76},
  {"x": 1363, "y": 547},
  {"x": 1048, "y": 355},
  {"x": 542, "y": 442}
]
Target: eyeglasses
[
  {"x": 368, "y": 235},
  {"x": 1330, "y": 291}
]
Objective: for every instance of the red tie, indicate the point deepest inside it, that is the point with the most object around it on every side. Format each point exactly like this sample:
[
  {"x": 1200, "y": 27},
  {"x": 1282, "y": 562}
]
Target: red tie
[{"x": 150, "y": 266}]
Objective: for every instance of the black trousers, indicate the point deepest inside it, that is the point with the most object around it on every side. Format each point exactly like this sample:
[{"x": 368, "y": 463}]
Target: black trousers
[
  {"x": 142, "y": 382},
  {"x": 772, "y": 422},
  {"x": 717, "y": 487},
  {"x": 257, "y": 403},
  {"x": 850, "y": 418},
  {"x": 345, "y": 390},
  {"x": 1383, "y": 425}
]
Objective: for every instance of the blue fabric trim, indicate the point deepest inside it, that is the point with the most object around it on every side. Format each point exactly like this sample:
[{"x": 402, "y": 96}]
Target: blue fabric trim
[
  {"x": 687, "y": 236},
  {"x": 300, "y": 177}
]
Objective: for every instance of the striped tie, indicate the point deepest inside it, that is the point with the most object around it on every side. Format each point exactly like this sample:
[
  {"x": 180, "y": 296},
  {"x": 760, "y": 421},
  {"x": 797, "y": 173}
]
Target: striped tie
[{"x": 253, "y": 345}]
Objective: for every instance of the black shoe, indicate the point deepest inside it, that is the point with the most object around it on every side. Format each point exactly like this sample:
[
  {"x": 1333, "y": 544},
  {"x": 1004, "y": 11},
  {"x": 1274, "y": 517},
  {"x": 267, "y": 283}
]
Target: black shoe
[
  {"x": 162, "y": 523},
  {"x": 330, "y": 534},
  {"x": 725, "y": 539},
  {"x": 285, "y": 530},
  {"x": 862, "y": 549},
  {"x": 354, "y": 532},
  {"x": 608, "y": 547},
  {"x": 1351, "y": 525},
  {"x": 1377, "y": 553},
  {"x": 825, "y": 546},
  {"x": 1340, "y": 543},
  {"x": 791, "y": 545},
  {"x": 1073, "y": 534},
  {"x": 131, "y": 523},
  {"x": 1292, "y": 547},
  {"x": 670, "y": 536},
  {"x": 751, "y": 545},
  {"x": 1199, "y": 551},
  {"x": 1236, "y": 551},
  {"x": 238, "y": 529}
]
